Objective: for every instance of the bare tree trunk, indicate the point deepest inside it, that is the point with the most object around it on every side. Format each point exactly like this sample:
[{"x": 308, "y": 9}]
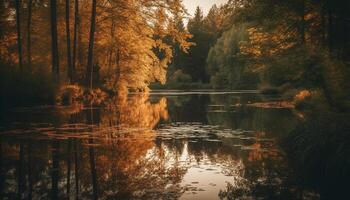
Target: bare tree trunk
[
  {"x": 69, "y": 54},
  {"x": 19, "y": 39},
  {"x": 29, "y": 50},
  {"x": 91, "y": 45},
  {"x": 54, "y": 42},
  {"x": 76, "y": 24}
]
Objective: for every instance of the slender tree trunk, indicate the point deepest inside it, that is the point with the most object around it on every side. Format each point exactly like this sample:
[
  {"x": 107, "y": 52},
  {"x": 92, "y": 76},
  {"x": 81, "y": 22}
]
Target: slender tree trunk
[
  {"x": 29, "y": 24},
  {"x": 69, "y": 53},
  {"x": 19, "y": 39},
  {"x": 89, "y": 70},
  {"x": 76, "y": 25},
  {"x": 54, "y": 42}
]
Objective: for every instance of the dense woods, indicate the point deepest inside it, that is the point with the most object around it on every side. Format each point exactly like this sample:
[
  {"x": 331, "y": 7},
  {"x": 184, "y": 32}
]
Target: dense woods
[
  {"x": 274, "y": 46},
  {"x": 120, "y": 45},
  {"x": 116, "y": 45}
]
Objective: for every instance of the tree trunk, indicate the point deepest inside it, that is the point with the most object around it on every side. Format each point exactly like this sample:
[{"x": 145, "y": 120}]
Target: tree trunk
[
  {"x": 54, "y": 42},
  {"x": 76, "y": 25},
  {"x": 29, "y": 51},
  {"x": 19, "y": 39},
  {"x": 69, "y": 54},
  {"x": 91, "y": 45}
]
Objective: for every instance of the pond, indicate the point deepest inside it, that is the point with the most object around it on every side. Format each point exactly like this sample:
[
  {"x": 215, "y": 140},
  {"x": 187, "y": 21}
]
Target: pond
[{"x": 165, "y": 145}]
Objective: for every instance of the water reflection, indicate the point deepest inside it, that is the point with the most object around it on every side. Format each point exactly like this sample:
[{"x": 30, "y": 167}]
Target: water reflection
[{"x": 196, "y": 146}]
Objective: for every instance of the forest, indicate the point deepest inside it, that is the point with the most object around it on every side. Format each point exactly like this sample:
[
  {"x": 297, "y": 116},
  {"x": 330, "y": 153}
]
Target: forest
[
  {"x": 246, "y": 99},
  {"x": 119, "y": 46}
]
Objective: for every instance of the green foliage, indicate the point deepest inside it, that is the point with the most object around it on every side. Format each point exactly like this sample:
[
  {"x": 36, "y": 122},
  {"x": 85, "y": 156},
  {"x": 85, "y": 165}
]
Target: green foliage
[
  {"x": 224, "y": 64},
  {"x": 181, "y": 77}
]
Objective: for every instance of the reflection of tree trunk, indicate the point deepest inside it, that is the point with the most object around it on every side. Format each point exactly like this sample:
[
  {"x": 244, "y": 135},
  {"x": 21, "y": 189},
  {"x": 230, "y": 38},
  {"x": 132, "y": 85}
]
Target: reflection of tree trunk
[
  {"x": 29, "y": 50},
  {"x": 30, "y": 176},
  {"x": 2, "y": 177},
  {"x": 20, "y": 171},
  {"x": 19, "y": 39},
  {"x": 76, "y": 25},
  {"x": 54, "y": 42},
  {"x": 55, "y": 170},
  {"x": 69, "y": 166},
  {"x": 69, "y": 54},
  {"x": 89, "y": 70},
  {"x": 90, "y": 119},
  {"x": 93, "y": 169},
  {"x": 76, "y": 165}
]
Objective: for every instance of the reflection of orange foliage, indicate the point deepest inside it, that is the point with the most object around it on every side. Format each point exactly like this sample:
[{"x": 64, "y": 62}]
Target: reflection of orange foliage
[
  {"x": 138, "y": 112},
  {"x": 302, "y": 95},
  {"x": 258, "y": 149},
  {"x": 255, "y": 154}
]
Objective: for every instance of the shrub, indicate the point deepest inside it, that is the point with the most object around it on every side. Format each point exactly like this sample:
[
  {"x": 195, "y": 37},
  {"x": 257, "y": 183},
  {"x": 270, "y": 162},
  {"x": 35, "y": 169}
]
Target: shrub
[
  {"x": 25, "y": 88},
  {"x": 180, "y": 77}
]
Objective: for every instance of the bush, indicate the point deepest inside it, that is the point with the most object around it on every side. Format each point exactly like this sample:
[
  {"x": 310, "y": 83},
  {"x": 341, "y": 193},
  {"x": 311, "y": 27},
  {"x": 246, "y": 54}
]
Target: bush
[
  {"x": 25, "y": 88},
  {"x": 180, "y": 77},
  {"x": 307, "y": 99}
]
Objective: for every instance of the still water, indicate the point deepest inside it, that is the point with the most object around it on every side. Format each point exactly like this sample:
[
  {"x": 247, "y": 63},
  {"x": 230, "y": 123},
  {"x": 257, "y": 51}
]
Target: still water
[{"x": 165, "y": 145}]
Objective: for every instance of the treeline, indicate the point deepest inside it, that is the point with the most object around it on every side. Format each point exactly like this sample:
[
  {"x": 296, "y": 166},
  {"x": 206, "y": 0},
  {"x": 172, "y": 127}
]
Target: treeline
[
  {"x": 113, "y": 44},
  {"x": 248, "y": 44}
]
